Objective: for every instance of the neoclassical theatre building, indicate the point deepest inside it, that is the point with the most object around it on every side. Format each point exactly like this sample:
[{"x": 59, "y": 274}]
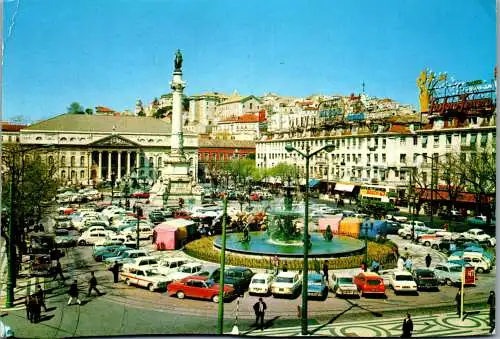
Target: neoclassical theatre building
[{"x": 90, "y": 148}]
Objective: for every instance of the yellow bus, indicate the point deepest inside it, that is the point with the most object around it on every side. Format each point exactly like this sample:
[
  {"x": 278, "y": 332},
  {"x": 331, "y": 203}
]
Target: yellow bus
[{"x": 379, "y": 193}]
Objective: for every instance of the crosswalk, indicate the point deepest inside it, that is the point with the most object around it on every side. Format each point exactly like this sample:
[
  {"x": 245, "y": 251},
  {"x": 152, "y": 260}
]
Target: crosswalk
[{"x": 438, "y": 325}]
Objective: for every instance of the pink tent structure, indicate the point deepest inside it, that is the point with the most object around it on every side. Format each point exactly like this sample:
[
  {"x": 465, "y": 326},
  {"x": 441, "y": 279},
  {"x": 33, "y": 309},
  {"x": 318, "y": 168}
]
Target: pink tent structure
[
  {"x": 333, "y": 221},
  {"x": 171, "y": 234}
]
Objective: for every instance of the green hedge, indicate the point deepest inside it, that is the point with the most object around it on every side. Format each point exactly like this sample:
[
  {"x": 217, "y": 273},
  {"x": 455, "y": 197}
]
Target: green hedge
[{"x": 204, "y": 249}]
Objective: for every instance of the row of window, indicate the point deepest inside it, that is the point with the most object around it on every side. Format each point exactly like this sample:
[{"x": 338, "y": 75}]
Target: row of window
[{"x": 83, "y": 163}]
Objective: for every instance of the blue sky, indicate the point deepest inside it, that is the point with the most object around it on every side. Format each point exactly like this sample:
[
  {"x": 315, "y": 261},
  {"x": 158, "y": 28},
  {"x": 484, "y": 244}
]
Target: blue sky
[{"x": 112, "y": 52}]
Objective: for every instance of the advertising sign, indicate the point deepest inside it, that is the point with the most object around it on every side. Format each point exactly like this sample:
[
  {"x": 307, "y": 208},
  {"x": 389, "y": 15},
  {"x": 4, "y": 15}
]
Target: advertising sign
[{"x": 470, "y": 275}]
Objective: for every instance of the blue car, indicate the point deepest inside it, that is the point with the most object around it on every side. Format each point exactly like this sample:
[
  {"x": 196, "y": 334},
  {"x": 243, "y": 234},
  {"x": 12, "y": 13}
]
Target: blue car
[
  {"x": 108, "y": 251},
  {"x": 316, "y": 286}
]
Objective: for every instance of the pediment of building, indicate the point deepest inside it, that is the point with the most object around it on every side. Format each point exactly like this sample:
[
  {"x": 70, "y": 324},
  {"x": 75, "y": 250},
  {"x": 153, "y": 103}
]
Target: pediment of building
[{"x": 114, "y": 141}]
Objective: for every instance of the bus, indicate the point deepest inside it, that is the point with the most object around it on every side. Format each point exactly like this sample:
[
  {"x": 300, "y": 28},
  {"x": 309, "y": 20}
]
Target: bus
[{"x": 379, "y": 193}]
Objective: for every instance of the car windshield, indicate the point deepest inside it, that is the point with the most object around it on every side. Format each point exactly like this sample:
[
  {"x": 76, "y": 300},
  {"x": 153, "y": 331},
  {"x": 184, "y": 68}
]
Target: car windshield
[
  {"x": 315, "y": 280},
  {"x": 404, "y": 278},
  {"x": 345, "y": 280},
  {"x": 426, "y": 274},
  {"x": 455, "y": 269},
  {"x": 187, "y": 269},
  {"x": 284, "y": 280},
  {"x": 258, "y": 281},
  {"x": 150, "y": 273},
  {"x": 373, "y": 282}
]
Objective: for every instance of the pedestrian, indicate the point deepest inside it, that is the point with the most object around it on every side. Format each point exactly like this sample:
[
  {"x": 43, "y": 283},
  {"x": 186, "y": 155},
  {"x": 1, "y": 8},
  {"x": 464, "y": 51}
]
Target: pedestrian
[
  {"x": 406, "y": 254},
  {"x": 428, "y": 260},
  {"x": 407, "y": 326},
  {"x": 325, "y": 269},
  {"x": 408, "y": 264},
  {"x": 27, "y": 301},
  {"x": 73, "y": 293},
  {"x": 93, "y": 284},
  {"x": 59, "y": 271},
  {"x": 458, "y": 300},
  {"x": 116, "y": 270},
  {"x": 40, "y": 294},
  {"x": 259, "y": 308},
  {"x": 491, "y": 302},
  {"x": 401, "y": 264},
  {"x": 285, "y": 267}
]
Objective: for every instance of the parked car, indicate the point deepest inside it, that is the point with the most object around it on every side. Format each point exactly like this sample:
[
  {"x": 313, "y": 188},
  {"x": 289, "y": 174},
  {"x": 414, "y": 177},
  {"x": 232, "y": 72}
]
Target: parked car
[
  {"x": 398, "y": 218},
  {"x": 402, "y": 281},
  {"x": 369, "y": 283},
  {"x": 261, "y": 283},
  {"x": 147, "y": 262},
  {"x": 115, "y": 255},
  {"x": 448, "y": 273},
  {"x": 145, "y": 232},
  {"x": 198, "y": 287},
  {"x": 286, "y": 284},
  {"x": 144, "y": 277},
  {"x": 316, "y": 286},
  {"x": 425, "y": 279},
  {"x": 184, "y": 271},
  {"x": 343, "y": 285},
  {"x": 63, "y": 239},
  {"x": 140, "y": 194},
  {"x": 89, "y": 238},
  {"x": 105, "y": 251},
  {"x": 475, "y": 234},
  {"x": 238, "y": 277},
  {"x": 392, "y": 227},
  {"x": 127, "y": 256},
  {"x": 480, "y": 263},
  {"x": 167, "y": 266}
]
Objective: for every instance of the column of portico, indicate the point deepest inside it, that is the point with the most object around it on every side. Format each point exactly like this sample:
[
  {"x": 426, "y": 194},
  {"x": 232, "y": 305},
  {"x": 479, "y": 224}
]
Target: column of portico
[
  {"x": 119, "y": 174},
  {"x": 128, "y": 163},
  {"x": 109, "y": 165},
  {"x": 99, "y": 170}
]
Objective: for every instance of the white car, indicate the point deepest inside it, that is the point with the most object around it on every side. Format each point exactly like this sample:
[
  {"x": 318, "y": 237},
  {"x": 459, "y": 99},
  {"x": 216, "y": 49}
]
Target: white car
[
  {"x": 147, "y": 262},
  {"x": 402, "y": 281},
  {"x": 110, "y": 210},
  {"x": 184, "y": 271},
  {"x": 144, "y": 277},
  {"x": 90, "y": 238},
  {"x": 398, "y": 218},
  {"x": 145, "y": 232},
  {"x": 475, "y": 234},
  {"x": 447, "y": 235},
  {"x": 170, "y": 265},
  {"x": 101, "y": 229},
  {"x": 342, "y": 284},
  {"x": 261, "y": 283},
  {"x": 286, "y": 283},
  {"x": 417, "y": 223}
]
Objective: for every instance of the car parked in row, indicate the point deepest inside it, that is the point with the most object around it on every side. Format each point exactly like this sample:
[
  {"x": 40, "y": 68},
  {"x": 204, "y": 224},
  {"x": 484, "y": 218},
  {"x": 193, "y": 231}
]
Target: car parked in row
[
  {"x": 143, "y": 277},
  {"x": 369, "y": 283},
  {"x": 261, "y": 284},
  {"x": 198, "y": 287},
  {"x": 170, "y": 265},
  {"x": 286, "y": 284},
  {"x": 184, "y": 271},
  {"x": 402, "y": 281},
  {"x": 343, "y": 285},
  {"x": 425, "y": 279},
  {"x": 316, "y": 286},
  {"x": 448, "y": 273}
]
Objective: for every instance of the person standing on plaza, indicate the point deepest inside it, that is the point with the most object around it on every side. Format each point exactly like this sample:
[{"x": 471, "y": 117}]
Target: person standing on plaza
[
  {"x": 491, "y": 302},
  {"x": 285, "y": 267},
  {"x": 428, "y": 260},
  {"x": 40, "y": 294},
  {"x": 116, "y": 270},
  {"x": 93, "y": 284},
  {"x": 408, "y": 264},
  {"x": 458, "y": 300},
  {"x": 325, "y": 269},
  {"x": 260, "y": 309},
  {"x": 407, "y": 326},
  {"x": 59, "y": 271},
  {"x": 73, "y": 293},
  {"x": 27, "y": 303},
  {"x": 401, "y": 264}
]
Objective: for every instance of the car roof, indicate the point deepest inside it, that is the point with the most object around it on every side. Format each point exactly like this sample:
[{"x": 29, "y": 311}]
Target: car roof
[
  {"x": 191, "y": 264},
  {"x": 314, "y": 274},
  {"x": 370, "y": 274},
  {"x": 194, "y": 277},
  {"x": 402, "y": 273},
  {"x": 147, "y": 257},
  {"x": 238, "y": 269},
  {"x": 287, "y": 274},
  {"x": 262, "y": 275},
  {"x": 342, "y": 275}
]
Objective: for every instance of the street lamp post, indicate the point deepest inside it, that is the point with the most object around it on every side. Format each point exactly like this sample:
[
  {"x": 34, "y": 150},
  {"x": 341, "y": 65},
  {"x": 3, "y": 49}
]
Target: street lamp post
[{"x": 307, "y": 155}]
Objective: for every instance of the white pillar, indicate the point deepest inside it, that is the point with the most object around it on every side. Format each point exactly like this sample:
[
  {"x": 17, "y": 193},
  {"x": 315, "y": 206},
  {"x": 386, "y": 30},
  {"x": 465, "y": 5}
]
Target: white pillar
[
  {"x": 109, "y": 165},
  {"x": 128, "y": 163},
  {"x": 177, "y": 86},
  {"x": 99, "y": 169},
  {"x": 119, "y": 174}
]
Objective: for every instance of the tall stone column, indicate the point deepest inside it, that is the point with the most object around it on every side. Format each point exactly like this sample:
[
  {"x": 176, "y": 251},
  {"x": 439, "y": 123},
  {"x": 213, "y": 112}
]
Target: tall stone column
[
  {"x": 109, "y": 165},
  {"x": 128, "y": 163},
  {"x": 176, "y": 139},
  {"x": 99, "y": 169},
  {"x": 119, "y": 174}
]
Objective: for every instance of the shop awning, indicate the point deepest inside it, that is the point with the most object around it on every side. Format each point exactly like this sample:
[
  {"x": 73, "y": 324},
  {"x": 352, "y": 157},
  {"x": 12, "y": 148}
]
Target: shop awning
[
  {"x": 344, "y": 187},
  {"x": 313, "y": 183}
]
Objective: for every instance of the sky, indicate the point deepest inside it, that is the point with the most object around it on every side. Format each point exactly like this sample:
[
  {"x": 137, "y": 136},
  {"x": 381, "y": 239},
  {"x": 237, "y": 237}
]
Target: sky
[{"x": 113, "y": 52}]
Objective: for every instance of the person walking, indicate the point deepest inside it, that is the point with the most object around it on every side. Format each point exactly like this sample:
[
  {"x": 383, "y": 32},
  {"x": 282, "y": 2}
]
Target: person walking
[
  {"x": 408, "y": 264},
  {"x": 116, "y": 270},
  {"x": 260, "y": 309},
  {"x": 428, "y": 260},
  {"x": 59, "y": 271},
  {"x": 491, "y": 302},
  {"x": 407, "y": 326},
  {"x": 458, "y": 300},
  {"x": 40, "y": 294},
  {"x": 73, "y": 293},
  {"x": 93, "y": 285},
  {"x": 27, "y": 303},
  {"x": 325, "y": 270}
]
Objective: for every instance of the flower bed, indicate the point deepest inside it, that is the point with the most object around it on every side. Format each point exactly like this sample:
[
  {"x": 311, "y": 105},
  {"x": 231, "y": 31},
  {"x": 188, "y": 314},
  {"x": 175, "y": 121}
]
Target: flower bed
[{"x": 204, "y": 249}]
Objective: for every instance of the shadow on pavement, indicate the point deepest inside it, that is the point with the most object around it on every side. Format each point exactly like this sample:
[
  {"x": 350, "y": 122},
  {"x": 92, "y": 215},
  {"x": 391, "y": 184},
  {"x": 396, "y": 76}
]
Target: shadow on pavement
[
  {"x": 267, "y": 324},
  {"x": 331, "y": 320}
]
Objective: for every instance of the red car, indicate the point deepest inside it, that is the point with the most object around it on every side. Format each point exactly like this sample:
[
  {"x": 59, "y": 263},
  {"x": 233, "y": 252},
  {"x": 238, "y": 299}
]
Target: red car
[
  {"x": 143, "y": 195},
  {"x": 369, "y": 283},
  {"x": 181, "y": 214},
  {"x": 198, "y": 287},
  {"x": 255, "y": 197}
]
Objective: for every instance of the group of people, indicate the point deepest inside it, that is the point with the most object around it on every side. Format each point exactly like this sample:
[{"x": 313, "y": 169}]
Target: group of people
[
  {"x": 405, "y": 261},
  {"x": 34, "y": 303}
]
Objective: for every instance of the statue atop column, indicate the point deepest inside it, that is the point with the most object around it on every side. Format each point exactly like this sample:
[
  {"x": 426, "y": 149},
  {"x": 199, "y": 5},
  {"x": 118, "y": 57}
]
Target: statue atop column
[{"x": 178, "y": 61}]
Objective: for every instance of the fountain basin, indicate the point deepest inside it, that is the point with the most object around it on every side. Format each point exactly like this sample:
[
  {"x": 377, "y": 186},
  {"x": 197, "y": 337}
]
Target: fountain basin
[{"x": 260, "y": 244}]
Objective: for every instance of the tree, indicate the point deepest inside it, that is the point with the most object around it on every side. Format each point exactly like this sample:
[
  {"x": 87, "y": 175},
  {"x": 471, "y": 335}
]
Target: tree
[
  {"x": 75, "y": 108},
  {"x": 160, "y": 113},
  {"x": 28, "y": 181},
  {"x": 89, "y": 111},
  {"x": 284, "y": 171},
  {"x": 451, "y": 175},
  {"x": 141, "y": 113}
]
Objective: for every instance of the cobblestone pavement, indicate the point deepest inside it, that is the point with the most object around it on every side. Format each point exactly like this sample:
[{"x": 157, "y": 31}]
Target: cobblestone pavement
[{"x": 437, "y": 325}]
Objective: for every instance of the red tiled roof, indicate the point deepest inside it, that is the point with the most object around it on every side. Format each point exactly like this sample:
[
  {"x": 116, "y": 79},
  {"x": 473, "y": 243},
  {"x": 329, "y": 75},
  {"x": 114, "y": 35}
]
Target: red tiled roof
[
  {"x": 400, "y": 129},
  {"x": 245, "y": 118},
  {"x": 12, "y": 127},
  {"x": 103, "y": 109}
]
